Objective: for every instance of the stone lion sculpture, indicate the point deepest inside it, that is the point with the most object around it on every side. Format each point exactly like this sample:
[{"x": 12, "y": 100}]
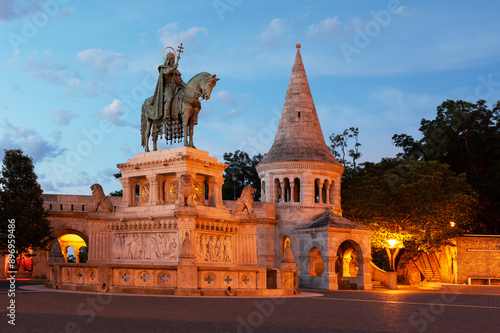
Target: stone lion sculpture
[
  {"x": 99, "y": 199},
  {"x": 186, "y": 190},
  {"x": 244, "y": 201}
]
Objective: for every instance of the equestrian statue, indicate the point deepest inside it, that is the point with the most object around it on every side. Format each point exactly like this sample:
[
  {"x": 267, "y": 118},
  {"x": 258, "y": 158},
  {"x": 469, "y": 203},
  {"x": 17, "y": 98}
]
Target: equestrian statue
[{"x": 173, "y": 110}]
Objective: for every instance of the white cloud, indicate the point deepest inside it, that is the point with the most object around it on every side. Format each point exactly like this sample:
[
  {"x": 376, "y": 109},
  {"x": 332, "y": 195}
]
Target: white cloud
[
  {"x": 125, "y": 148},
  {"x": 103, "y": 62},
  {"x": 171, "y": 36},
  {"x": 114, "y": 113},
  {"x": 328, "y": 28},
  {"x": 225, "y": 98},
  {"x": 63, "y": 117},
  {"x": 46, "y": 66},
  {"x": 13, "y": 9},
  {"x": 29, "y": 140},
  {"x": 275, "y": 31}
]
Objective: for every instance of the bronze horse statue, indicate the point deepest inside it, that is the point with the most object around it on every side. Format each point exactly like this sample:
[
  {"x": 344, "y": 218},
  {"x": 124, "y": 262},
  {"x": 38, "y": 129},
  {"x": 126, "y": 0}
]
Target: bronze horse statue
[{"x": 184, "y": 113}]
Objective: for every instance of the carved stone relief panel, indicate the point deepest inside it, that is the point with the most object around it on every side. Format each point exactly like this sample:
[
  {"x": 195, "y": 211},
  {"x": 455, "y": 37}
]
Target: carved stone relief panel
[
  {"x": 214, "y": 248},
  {"x": 145, "y": 246}
]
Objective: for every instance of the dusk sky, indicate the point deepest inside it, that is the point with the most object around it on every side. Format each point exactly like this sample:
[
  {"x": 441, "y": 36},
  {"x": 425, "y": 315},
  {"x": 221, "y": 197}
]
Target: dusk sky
[{"x": 74, "y": 74}]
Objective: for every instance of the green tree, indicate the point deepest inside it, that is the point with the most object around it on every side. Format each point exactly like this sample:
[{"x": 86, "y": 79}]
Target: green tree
[
  {"x": 118, "y": 193},
  {"x": 465, "y": 136},
  {"x": 21, "y": 200},
  {"x": 410, "y": 201},
  {"x": 240, "y": 172},
  {"x": 340, "y": 144}
]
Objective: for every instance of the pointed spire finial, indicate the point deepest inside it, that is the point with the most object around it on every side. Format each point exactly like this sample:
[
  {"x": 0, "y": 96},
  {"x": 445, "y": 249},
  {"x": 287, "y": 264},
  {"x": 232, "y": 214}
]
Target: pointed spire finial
[{"x": 297, "y": 46}]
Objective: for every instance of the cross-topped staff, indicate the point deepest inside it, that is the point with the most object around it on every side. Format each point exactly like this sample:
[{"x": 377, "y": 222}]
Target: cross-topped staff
[{"x": 179, "y": 51}]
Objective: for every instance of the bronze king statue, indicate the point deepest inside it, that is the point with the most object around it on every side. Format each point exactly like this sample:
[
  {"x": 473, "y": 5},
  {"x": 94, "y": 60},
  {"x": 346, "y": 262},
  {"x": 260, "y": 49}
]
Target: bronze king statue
[{"x": 173, "y": 110}]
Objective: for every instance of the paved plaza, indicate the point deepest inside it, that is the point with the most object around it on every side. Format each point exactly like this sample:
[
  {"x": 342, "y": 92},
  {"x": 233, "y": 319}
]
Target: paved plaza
[{"x": 48, "y": 310}]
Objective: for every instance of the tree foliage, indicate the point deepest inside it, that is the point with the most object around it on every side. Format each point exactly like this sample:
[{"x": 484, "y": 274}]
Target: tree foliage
[
  {"x": 410, "y": 201},
  {"x": 240, "y": 172},
  {"x": 340, "y": 144},
  {"x": 465, "y": 136},
  {"x": 21, "y": 200}
]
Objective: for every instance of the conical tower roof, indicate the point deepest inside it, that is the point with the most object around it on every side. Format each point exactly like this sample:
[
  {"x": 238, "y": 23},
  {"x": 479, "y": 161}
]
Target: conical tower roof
[{"x": 299, "y": 136}]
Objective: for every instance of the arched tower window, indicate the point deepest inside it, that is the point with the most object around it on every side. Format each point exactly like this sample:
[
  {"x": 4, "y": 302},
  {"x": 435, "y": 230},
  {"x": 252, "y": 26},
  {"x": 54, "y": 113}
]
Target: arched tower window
[
  {"x": 277, "y": 190},
  {"x": 284, "y": 243},
  {"x": 316, "y": 190},
  {"x": 286, "y": 190},
  {"x": 263, "y": 192},
  {"x": 296, "y": 190}
]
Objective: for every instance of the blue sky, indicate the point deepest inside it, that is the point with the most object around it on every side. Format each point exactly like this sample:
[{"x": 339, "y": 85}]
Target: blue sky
[{"x": 74, "y": 74}]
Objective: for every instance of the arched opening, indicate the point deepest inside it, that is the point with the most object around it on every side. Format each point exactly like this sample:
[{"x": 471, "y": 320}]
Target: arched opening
[
  {"x": 71, "y": 245},
  {"x": 285, "y": 241},
  {"x": 296, "y": 190},
  {"x": 277, "y": 190},
  {"x": 348, "y": 260},
  {"x": 263, "y": 191},
  {"x": 324, "y": 190},
  {"x": 316, "y": 266},
  {"x": 286, "y": 190},
  {"x": 331, "y": 196},
  {"x": 316, "y": 190}
]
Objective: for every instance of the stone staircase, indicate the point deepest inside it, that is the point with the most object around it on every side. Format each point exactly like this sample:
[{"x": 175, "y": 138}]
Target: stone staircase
[
  {"x": 430, "y": 267},
  {"x": 377, "y": 285}
]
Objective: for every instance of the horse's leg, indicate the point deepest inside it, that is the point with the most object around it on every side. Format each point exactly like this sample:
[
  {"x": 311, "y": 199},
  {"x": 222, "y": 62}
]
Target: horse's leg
[
  {"x": 155, "y": 139},
  {"x": 148, "y": 133},
  {"x": 191, "y": 126}
]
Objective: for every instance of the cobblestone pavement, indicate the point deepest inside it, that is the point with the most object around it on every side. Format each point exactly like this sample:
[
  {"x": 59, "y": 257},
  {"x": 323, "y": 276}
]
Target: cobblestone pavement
[{"x": 41, "y": 310}]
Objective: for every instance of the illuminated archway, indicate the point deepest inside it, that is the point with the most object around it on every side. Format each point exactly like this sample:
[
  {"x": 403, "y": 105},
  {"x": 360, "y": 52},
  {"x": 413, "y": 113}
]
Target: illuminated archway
[{"x": 71, "y": 245}]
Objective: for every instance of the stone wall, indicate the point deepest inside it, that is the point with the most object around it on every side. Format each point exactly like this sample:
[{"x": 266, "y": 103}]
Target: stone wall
[{"x": 478, "y": 257}]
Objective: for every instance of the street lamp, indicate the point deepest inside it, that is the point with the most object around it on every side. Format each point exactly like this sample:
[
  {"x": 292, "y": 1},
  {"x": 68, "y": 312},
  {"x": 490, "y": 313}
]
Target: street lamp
[{"x": 392, "y": 253}]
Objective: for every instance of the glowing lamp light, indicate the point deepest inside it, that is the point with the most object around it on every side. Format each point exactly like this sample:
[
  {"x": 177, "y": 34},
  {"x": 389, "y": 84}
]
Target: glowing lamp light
[
  {"x": 452, "y": 224},
  {"x": 392, "y": 242}
]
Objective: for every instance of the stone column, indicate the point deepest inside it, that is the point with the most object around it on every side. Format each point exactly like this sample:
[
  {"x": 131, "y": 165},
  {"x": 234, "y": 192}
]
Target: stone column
[
  {"x": 331, "y": 279},
  {"x": 127, "y": 196},
  {"x": 367, "y": 277},
  {"x": 345, "y": 266},
  {"x": 327, "y": 193},
  {"x": 154, "y": 190},
  {"x": 292, "y": 191}
]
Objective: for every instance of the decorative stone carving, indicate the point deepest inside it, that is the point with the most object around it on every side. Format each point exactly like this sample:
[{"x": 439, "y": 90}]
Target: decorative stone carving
[
  {"x": 99, "y": 199},
  {"x": 186, "y": 190},
  {"x": 245, "y": 201},
  {"x": 214, "y": 248},
  {"x": 145, "y": 246},
  {"x": 187, "y": 249}
]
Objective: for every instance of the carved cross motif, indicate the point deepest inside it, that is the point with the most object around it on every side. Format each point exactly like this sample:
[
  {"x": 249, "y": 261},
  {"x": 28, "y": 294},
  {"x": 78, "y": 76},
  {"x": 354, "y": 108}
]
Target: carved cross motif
[
  {"x": 125, "y": 277},
  {"x": 92, "y": 275},
  {"x": 209, "y": 279},
  {"x": 228, "y": 279},
  {"x": 144, "y": 277},
  {"x": 165, "y": 278},
  {"x": 245, "y": 279},
  {"x": 79, "y": 274}
]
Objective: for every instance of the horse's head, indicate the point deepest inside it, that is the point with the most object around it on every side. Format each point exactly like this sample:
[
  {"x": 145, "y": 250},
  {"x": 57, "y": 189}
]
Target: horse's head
[{"x": 207, "y": 86}]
